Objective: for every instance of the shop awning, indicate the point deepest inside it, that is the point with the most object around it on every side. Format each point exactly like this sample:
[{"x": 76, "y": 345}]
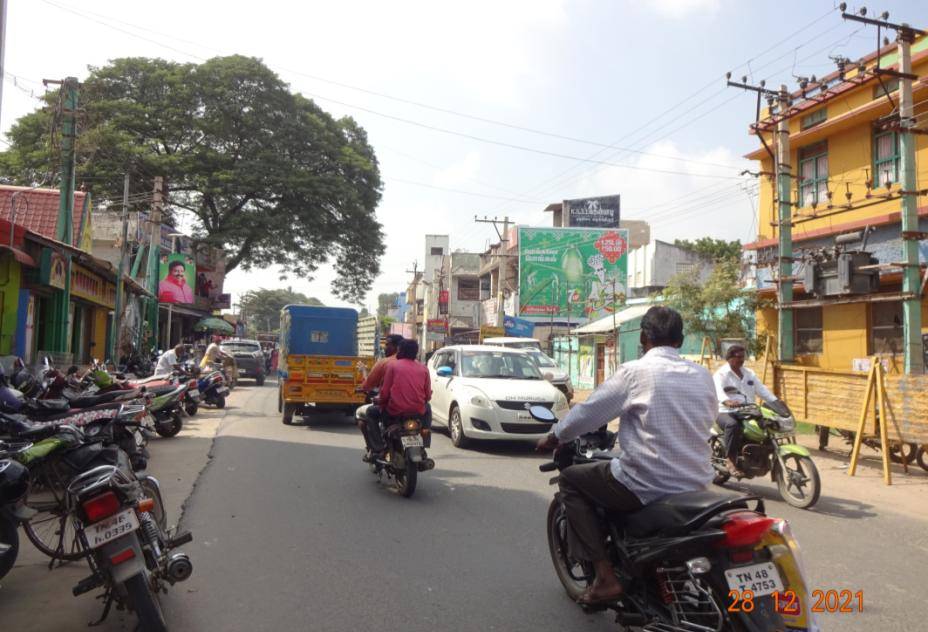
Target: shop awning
[
  {"x": 606, "y": 324},
  {"x": 185, "y": 310},
  {"x": 20, "y": 255}
]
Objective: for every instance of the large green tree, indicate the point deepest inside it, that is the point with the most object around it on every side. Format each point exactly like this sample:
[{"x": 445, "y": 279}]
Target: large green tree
[
  {"x": 267, "y": 175},
  {"x": 712, "y": 249},
  {"x": 262, "y": 306},
  {"x": 717, "y": 307}
]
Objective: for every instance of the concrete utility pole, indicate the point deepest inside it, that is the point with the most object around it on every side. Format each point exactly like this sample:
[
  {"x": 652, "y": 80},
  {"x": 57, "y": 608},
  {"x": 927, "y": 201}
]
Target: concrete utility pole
[
  {"x": 911, "y": 307},
  {"x": 785, "y": 212},
  {"x": 113, "y": 346},
  {"x": 2, "y": 46},
  {"x": 65, "y": 229},
  {"x": 501, "y": 255},
  {"x": 154, "y": 250}
]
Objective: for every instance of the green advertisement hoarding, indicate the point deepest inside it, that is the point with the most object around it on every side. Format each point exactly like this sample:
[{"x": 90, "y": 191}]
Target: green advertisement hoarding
[{"x": 570, "y": 273}]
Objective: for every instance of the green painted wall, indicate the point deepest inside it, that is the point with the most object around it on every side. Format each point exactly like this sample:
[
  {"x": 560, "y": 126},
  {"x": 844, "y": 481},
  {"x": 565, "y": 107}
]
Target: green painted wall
[{"x": 10, "y": 277}]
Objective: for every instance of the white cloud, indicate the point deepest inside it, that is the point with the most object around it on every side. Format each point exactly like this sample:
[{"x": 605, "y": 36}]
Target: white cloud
[{"x": 678, "y": 9}]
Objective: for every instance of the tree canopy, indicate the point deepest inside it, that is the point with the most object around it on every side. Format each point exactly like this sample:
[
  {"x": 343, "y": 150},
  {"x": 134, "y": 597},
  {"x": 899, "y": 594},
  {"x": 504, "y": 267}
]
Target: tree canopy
[
  {"x": 262, "y": 306},
  {"x": 713, "y": 249},
  {"x": 267, "y": 175},
  {"x": 717, "y": 308},
  {"x": 386, "y": 302}
]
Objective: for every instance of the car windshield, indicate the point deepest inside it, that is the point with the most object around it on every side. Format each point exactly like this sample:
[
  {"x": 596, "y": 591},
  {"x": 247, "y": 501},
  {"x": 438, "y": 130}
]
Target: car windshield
[
  {"x": 240, "y": 347},
  {"x": 542, "y": 359},
  {"x": 490, "y": 364}
]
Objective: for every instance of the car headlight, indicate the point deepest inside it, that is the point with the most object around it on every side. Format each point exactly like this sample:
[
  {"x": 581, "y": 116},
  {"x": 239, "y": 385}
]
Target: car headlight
[
  {"x": 560, "y": 402},
  {"x": 480, "y": 401}
]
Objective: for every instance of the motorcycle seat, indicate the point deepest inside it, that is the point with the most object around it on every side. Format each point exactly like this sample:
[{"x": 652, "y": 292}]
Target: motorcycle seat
[
  {"x": 45, "y": 405},
  {"x": 85, "y": 400},
  {"x": 152, "y": 378},
  {"x": 20, "y": 427},
  {"x": 679, "y": 513},
  {"x": 157, "y": 391}
]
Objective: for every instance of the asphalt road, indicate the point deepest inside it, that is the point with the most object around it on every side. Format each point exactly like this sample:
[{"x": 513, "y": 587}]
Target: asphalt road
[{"x": 293, "y": 532}]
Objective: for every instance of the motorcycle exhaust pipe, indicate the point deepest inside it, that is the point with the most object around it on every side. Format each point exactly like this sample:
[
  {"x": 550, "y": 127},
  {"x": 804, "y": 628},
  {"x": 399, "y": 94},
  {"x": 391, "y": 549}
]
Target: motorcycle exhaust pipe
[
  {"x": 427, "y": 464},
  {"x": 179, "y": 567}
]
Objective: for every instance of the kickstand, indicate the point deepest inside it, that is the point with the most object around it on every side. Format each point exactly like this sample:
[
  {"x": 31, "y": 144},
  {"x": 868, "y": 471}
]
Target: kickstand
[{"x": 108, "y": 596}]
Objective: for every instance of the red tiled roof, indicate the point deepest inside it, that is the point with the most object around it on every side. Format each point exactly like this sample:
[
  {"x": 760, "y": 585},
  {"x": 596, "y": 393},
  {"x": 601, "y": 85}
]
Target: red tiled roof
[{"x": 37, "y": 209}]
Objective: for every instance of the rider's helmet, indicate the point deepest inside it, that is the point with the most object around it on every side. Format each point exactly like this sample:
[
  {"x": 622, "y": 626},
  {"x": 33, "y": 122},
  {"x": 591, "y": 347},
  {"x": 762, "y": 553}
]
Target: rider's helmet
[
  {"x": 14, "y": 481},
  {"x": 26, "y": 383}
]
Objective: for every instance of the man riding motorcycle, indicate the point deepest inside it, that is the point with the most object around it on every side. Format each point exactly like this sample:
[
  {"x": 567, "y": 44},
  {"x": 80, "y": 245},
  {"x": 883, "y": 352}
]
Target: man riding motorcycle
[
  {"x": 375, "y": 379},
  {"x": 666, "y": 406},
  {"x": 405, "y": 392},
  {"x": 743, "y": 386},
  {"x": 213, "y": 353}
]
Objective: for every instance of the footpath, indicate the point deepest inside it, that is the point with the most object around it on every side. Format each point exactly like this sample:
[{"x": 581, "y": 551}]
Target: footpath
[{"x": 34, "y": 597}]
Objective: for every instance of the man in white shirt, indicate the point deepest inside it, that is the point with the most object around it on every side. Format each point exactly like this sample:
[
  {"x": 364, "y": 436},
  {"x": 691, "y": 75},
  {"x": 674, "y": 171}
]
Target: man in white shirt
[
  {"x": 736, "y": 385},
  {"x": 169, "y": 360},
  {"x": 666, "y": 406}
]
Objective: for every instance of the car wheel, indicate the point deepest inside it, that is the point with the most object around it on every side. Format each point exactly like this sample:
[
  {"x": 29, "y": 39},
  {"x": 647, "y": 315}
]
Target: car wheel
[{"x": 456, "y": 428}]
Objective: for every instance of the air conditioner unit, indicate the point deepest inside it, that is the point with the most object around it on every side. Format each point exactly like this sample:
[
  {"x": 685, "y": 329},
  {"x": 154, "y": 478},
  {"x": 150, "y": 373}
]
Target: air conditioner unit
[{"x": 841, "y": 276}]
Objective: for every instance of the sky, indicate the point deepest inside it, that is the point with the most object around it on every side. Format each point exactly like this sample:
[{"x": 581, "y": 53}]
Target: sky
[{"x": 490, "y": 107}]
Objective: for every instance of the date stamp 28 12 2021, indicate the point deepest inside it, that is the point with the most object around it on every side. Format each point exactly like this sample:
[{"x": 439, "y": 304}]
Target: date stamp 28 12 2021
[{"x": 788, "y": 602}]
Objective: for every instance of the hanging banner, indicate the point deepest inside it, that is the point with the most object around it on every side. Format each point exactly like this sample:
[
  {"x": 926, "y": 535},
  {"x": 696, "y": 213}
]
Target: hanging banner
[
  {"x": 572, "y": 273},
  {"x": 518, "y": 327},
  {"x": 178, "y": 277},
  {"x": 596, "y": 212}
]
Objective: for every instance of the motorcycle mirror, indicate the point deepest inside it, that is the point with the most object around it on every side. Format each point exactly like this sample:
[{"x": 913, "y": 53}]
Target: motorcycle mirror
[{"x": 540, "y": 413}]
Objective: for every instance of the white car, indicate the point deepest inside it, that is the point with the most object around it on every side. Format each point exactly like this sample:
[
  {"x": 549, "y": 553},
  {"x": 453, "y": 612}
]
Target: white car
[
  {"x": 484, "y": 392},
  {"x": 549, "y": 368}
]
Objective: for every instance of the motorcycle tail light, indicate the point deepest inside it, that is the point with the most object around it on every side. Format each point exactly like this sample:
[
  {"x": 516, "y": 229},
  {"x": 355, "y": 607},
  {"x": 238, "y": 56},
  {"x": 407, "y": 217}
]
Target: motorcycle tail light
[
  {"x": 102, "y": 506},
  {"x": 411, "y": 425},
  {"x": 745, "y": 528},
  {"x": 425, "y": 432}
]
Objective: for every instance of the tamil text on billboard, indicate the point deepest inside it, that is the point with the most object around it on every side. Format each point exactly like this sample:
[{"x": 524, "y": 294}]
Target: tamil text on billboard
[
  {"x": 572, "y": 273},
  {"x": 177, "y": 274},
  {"x": 595, "y": 212}
]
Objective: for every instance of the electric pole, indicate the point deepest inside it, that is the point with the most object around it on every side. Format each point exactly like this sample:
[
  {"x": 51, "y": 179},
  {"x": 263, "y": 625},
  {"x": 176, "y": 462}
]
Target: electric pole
[
  {"x": 65, "y": 228},
  {"x": 154, "y": 249},
  {"x": 501, "y": 254},
  {"x": 914, "y": 358},
  {"x": 113, "y": 346}
]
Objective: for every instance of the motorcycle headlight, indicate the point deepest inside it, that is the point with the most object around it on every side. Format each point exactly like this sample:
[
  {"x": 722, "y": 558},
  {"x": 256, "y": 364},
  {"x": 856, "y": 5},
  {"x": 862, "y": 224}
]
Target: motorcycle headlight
[
  {"x": 480, "y": 401},
  {"x": 786, "y": 424}
]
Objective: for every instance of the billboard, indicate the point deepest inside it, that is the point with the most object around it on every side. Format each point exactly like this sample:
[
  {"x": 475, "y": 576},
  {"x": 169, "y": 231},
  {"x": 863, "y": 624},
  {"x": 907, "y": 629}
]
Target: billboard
[
  {"x": 596, "y": 212},
  {"x": 570, "y": 273},
  {"x": 177, "y": 274},
  {"x": 518, "y": 327}
]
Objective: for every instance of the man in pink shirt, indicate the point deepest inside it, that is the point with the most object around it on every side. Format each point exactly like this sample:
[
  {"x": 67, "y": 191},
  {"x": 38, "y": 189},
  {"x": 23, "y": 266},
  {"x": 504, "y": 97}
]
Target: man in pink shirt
[
  {"x": 173, "y": 288},
  {"x": 406, "y": 391}
]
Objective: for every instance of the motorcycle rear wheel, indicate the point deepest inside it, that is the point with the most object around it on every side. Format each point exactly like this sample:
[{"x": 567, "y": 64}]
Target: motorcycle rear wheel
[
  {"x": 922, "y": 457},
  {"x": 906, "y": 451},
  {"x": 10, "y": 537},
  {"x": 406, "y": 479},
  {"x": 191, "y": 408},
  {"x": 567, "y": 569},
  {"x": 145, "y": 603},
  {"x": 802, "y": 495},
  {"x": 51, "y": 530},
  {"x": 170, "y": 429},
  {"x": 719, "y": 458}
]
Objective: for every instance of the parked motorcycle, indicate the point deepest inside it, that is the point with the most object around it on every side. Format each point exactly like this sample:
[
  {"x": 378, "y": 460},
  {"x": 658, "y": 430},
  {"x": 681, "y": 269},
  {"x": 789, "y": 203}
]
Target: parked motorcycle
[
  {"x": 130, "y": 555},
  {"x": 405, "y": 456},
  {"x": 14, "y": 485},
  {"x": 769, "y": 447},
  {"x": 167, "y": 407},
  {"x": 213, "y": 389},
  {"x": 692, "y": 561}
]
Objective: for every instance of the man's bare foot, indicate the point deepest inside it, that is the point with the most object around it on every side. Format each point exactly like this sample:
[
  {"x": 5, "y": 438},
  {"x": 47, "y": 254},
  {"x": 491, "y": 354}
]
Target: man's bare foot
[{"x": 733, "y": 469}]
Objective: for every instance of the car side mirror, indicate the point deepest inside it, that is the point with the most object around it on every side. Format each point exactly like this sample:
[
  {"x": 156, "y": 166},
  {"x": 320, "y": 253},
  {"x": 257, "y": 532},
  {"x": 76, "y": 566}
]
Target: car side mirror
[
  {"x": 540, "y": 413},
  {"x": 549, "y": 376},
  {"x": 444, "y": 371}
]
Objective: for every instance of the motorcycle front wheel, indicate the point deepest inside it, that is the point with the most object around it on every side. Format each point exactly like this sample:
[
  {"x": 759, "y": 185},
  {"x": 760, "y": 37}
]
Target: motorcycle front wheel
[
  {"x": 922, "y": 457},
  {"x": 575, "y": 576},
  {"x": 799, "y": 484},
  {"x": 719, "y": 459},
  {"x": 145, "y": 603}
]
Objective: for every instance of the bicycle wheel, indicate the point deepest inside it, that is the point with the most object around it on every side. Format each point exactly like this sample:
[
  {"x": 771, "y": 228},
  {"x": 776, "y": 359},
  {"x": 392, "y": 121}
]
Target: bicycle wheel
[{"x": 51, "y": 530}]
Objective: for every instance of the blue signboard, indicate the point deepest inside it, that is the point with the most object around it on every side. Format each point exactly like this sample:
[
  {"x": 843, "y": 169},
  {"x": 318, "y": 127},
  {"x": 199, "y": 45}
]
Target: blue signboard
[{"x": 518, "y": 327}]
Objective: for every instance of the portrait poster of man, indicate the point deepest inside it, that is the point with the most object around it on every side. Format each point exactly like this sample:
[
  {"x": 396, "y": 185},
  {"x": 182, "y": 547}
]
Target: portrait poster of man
[{"x": 178, "y": 275}]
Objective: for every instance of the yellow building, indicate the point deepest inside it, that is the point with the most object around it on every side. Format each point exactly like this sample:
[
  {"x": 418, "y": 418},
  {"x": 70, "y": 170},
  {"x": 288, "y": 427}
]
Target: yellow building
[{"x": 845, "y": 160}]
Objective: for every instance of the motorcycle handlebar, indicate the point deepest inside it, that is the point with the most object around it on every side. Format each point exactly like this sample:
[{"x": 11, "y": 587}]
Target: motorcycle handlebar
[{"x": 547, "y": 467}]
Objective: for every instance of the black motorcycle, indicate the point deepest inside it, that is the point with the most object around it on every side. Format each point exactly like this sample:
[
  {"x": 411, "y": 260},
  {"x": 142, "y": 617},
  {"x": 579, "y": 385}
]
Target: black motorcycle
[
  {"x": 405, "y": 456},
  {"x": 691, "y": 561}
]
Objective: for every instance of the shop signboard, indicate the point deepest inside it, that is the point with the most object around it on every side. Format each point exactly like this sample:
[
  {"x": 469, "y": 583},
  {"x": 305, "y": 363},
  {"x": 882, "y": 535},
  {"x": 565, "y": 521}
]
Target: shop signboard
[
  {"x": 222, "y": 301},
  {"x": 487, "y": 331},
  {"x": 572, "y": 273},
  {"x": 92, "y": 287},
  {"x": 518, "y": 327},
  {"x": 595, "y": 212},
  {"x": 177, "y": 272},
  {"x": 437, "y": 326}
]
